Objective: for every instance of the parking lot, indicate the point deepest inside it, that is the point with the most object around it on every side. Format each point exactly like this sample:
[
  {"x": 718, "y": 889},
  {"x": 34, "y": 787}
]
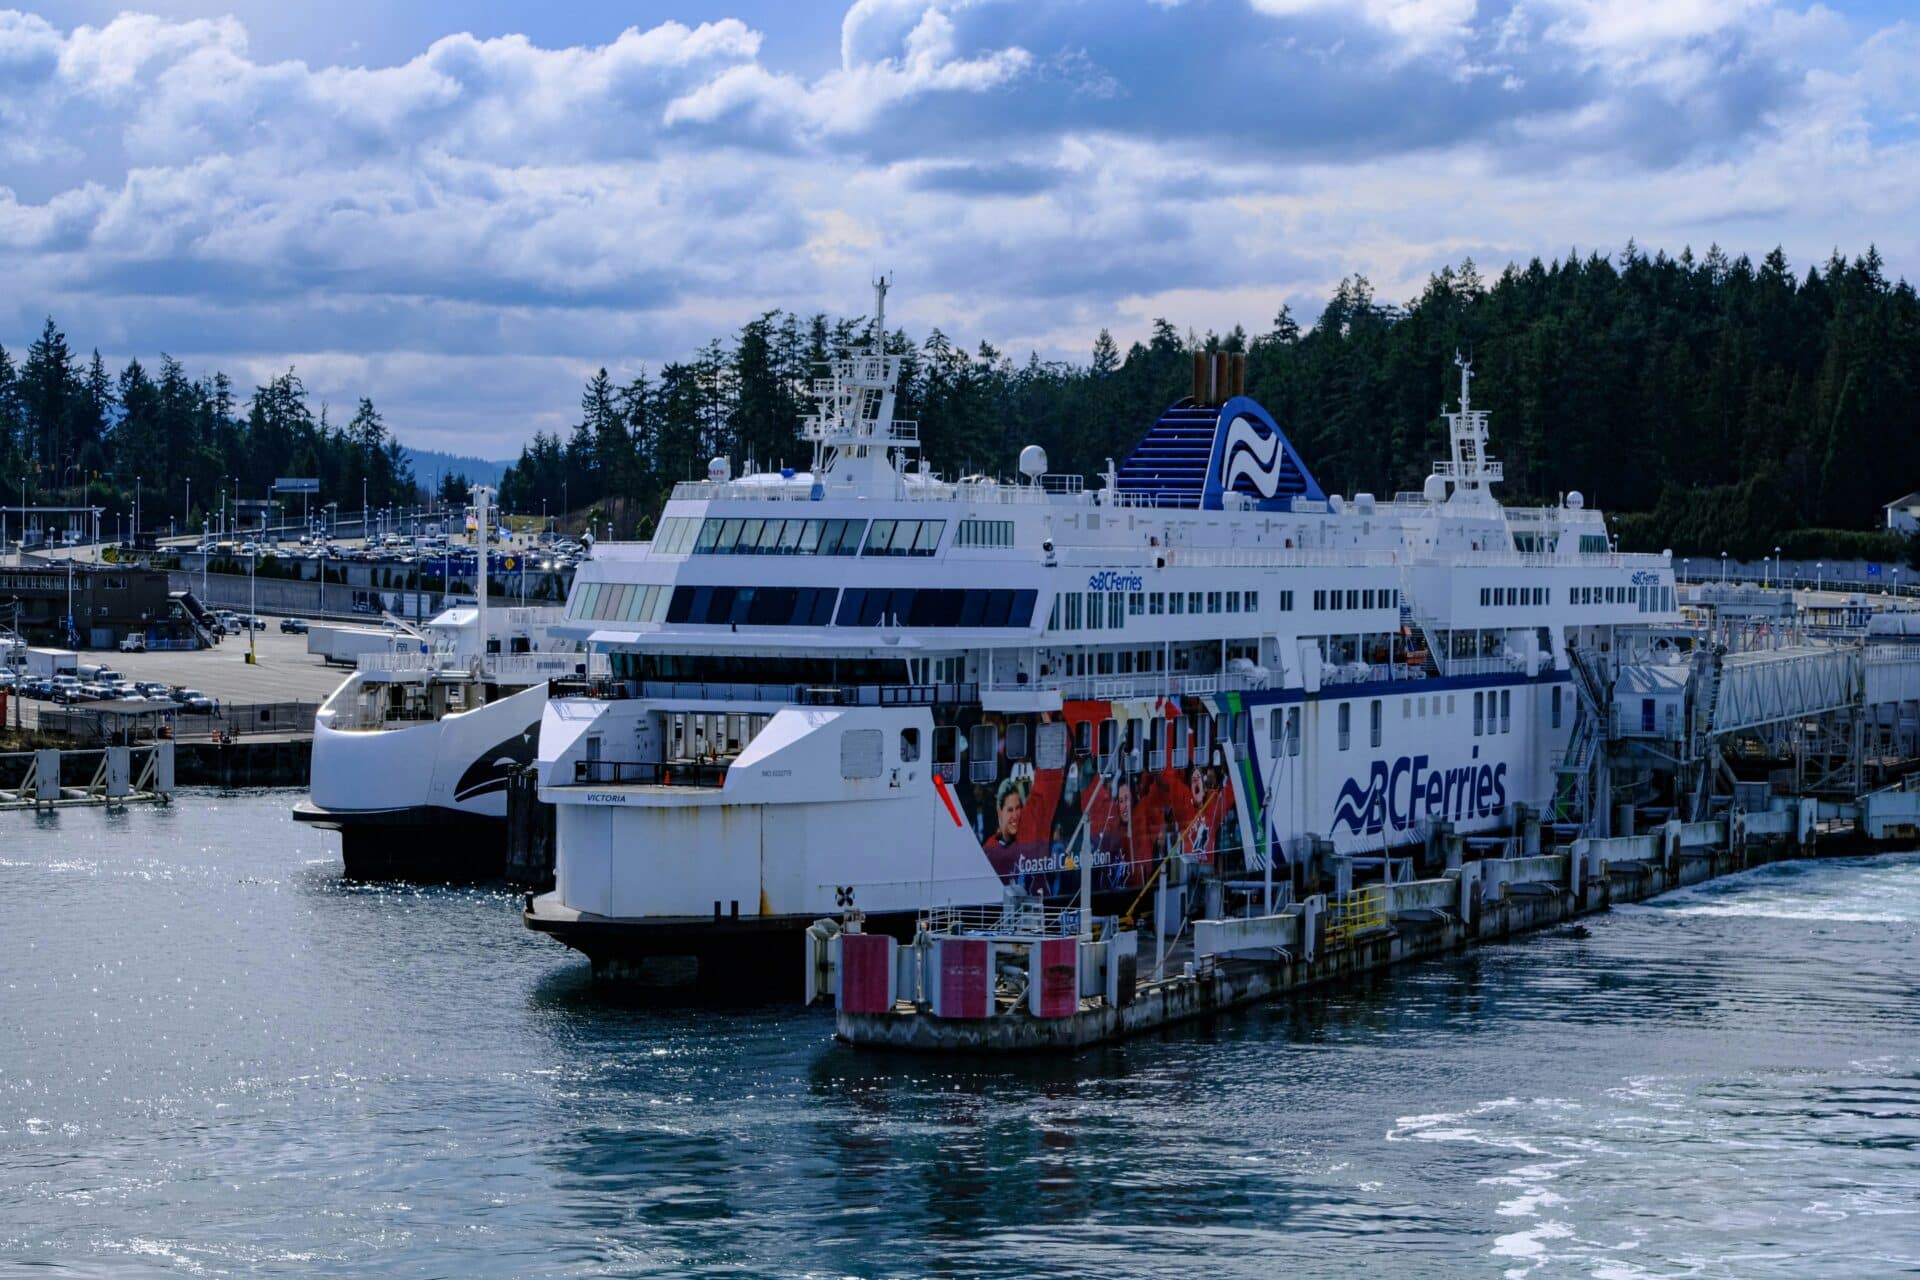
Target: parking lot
[{"x": 286, "y": 672}]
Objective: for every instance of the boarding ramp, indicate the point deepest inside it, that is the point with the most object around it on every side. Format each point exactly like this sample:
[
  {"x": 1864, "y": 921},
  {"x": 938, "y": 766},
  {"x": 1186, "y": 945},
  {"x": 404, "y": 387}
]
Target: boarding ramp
[{"x": 1776, "y": 685}]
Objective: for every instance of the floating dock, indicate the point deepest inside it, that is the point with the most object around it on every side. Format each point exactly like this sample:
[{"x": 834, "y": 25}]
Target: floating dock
[
  {"x": 1018, "y": 983},
  {"x": 115, "y": 775}
]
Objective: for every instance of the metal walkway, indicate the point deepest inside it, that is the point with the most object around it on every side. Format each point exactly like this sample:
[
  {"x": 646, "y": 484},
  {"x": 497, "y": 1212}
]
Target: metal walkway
[{"x": 1770, "y": 686}]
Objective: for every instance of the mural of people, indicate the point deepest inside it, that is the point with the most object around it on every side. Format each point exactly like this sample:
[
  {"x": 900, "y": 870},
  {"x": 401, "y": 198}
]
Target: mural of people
[{"x": 1042, "y": 807}]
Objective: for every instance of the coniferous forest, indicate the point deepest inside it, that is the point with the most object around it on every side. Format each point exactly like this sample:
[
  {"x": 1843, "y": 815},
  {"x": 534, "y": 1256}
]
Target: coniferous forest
[{"x": 1707, "y": 403}]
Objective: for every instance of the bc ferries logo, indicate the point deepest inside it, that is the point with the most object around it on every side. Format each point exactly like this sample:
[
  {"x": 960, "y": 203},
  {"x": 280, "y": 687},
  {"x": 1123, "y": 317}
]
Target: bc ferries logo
[
  {"x": 1253, "y": 454},
  {"x": 1108, "y": 580},
  {"x": 1400, "y": 794}
]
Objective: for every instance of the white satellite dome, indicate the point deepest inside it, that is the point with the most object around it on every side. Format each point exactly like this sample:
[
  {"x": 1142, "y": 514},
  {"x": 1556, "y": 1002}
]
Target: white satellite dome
[
  {"x": 1576, "y": 500},
  {"x": 1435, "y": 490},
  {"x": 719, "y": 470},
  {"x": 1033, "y": 462}
]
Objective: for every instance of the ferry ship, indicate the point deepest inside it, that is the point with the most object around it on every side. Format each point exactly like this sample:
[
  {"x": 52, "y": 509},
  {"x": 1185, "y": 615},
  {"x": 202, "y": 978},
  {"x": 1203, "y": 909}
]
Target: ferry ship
[
  {"x": 867, "y": 686},
  {"x": 413, "y": 752}
]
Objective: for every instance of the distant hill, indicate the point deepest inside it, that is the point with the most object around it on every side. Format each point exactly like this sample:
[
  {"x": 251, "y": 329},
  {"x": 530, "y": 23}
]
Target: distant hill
[{"x": 428, "y": 463}]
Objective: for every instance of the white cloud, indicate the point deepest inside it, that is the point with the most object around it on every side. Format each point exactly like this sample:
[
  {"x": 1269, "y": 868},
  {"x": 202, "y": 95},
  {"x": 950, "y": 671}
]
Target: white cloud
[{"x": 462, "y": 234}]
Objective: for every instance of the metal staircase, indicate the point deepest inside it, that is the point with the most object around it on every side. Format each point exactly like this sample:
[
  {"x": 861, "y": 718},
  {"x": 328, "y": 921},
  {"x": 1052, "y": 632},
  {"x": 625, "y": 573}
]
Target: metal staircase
[
  {"x": 1411, "y": 617},
  {"x": 1574, "y": 775}
]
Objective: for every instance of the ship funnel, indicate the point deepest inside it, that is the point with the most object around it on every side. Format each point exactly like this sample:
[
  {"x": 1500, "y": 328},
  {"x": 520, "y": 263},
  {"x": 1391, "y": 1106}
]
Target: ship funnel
[{"x": 1218, "y": 376}]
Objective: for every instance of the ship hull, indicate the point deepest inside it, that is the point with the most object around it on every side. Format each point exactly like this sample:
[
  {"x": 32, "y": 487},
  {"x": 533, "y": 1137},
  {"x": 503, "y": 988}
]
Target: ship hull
[
  {"x": 730, "y": 874},
  {"x": 426, "y": 801}
]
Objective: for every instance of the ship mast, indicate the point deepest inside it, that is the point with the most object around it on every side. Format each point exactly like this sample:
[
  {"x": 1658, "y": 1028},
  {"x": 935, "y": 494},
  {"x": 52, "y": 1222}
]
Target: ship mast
[
  {"x": 852, "y": 427},
  {"x": 1470, "y": 470}
]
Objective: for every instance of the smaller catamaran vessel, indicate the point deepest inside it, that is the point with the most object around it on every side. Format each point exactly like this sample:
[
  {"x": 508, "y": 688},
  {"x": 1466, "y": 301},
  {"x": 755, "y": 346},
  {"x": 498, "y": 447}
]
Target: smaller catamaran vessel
[
  {"x": 413, "y": 752},
  {"x": 865, "y": 686}
]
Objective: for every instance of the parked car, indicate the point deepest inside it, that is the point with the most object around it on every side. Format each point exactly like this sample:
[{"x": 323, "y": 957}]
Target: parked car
[
  {"x": 192, "y": 700},
  {"x": 293, "y": 626},
  {"x": 154, "y": 689}
]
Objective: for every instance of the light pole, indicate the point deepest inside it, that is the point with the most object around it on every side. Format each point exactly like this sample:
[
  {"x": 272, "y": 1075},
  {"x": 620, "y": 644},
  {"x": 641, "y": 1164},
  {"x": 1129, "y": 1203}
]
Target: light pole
[
  {"x": 252, "y": 657},
  {"x": 363, "y": 510},
  {"x": 203, "y": 559},
  {"x": 1776, "y": 565},
  {"x": 1685, "y": 563},
  {"x": 187, "y": 515},
  {"x": 1819, "y": 574},
  {"x": 1723, "y": 568},
  {"x": 136, "y": 506}
]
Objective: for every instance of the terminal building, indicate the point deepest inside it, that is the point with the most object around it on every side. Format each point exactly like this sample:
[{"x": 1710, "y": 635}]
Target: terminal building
[{"x": 108, "y": 604}]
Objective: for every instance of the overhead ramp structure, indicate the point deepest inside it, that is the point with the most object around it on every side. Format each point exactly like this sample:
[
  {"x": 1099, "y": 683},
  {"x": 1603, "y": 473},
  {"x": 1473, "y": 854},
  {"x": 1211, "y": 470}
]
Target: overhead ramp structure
[{"x": 1772, "y": 686}]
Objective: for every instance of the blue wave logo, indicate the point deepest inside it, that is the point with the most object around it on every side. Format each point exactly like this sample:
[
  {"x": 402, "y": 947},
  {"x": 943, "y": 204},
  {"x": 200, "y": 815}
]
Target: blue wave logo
[{"x": 1251, "y": 454}]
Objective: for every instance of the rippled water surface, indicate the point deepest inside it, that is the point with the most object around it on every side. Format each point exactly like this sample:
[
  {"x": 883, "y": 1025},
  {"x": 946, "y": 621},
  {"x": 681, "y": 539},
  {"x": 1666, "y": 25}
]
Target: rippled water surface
[{"x": 218, "y": 1059}]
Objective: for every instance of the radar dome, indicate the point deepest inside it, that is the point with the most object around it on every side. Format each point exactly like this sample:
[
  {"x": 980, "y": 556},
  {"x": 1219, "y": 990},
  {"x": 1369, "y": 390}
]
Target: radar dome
[
  {"x": 1033, "y": 462},
  {"x": 1575, "y": 500},
  {"x": 719, "y": 470},
  {"x": 1435, "y": 490},
  {"x": 1336, "y": 503}
]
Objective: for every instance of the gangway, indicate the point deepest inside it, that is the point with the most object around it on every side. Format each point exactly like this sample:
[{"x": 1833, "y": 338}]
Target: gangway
[{"x": 1771, "y": 686}]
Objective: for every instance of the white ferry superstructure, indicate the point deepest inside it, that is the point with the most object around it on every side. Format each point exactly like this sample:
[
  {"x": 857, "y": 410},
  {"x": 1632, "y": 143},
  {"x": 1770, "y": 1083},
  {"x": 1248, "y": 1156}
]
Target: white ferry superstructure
[
  {"x": 864, "y": 685},
  {"x": 413, "y": 752}
]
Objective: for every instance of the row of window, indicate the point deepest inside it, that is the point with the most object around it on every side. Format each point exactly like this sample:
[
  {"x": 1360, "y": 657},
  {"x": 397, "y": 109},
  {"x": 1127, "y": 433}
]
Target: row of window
[
  {"x": 731, "y": 536},
  {"x": 1109, "y": 611},
  {"x": 1357, "y": 598},
  {"x": 1508, "y": 597},
  {"x": 935, "y": 607},
  {"x": 753, "y": 606},
  {"x": 857, "y": 607},
  {"x": 619, "y": 602},
  {"x": 1649, "y": 597},
  {"x": 1346, "y": 723},
  {"x": 1484, "y": 717},
  {"x": 984, "y": 533}
]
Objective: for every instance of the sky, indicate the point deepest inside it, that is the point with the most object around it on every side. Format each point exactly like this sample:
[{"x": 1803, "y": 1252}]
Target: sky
[{"x": 462, "y": 210}]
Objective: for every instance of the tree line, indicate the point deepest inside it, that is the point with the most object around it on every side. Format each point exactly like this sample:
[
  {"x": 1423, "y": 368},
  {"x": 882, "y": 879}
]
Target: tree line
[
  {"x": 1707, "y": 403},
  {"x": 73, "y": 434}
]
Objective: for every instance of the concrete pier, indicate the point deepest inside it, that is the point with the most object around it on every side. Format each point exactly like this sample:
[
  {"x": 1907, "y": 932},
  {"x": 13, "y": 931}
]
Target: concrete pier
[{"x": 1233, "y": 963}]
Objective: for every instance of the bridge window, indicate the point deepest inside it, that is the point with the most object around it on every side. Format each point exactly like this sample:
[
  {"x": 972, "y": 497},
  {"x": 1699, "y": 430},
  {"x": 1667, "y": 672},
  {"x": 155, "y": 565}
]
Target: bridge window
[
  {"x": 904, "y": 537},
  {"x": 1506, "y": 711},
  {"x": 909, "y": 745},
  {"x": 1193, "y": 602},
  {"x": 1253, "y": 601},
  {"x": 1233, "y": 602},
  {"x": 1479, "y": 713},
  {"x": 728, "y": 536},
  {"x": 1374, "y": 711},
  {"x": 1156, "y": 603},
  {"x": 1346, "y": 725}
]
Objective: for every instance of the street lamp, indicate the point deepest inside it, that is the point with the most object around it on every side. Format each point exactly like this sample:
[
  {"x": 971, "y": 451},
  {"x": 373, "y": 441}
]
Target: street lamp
[
  {"x": 1685, "y": 563},
  {"x": 1819, "y": 574},
  {"x": 1723, "y": 568},
  {"x": 252, "y": 606},
  {"x": 1776, "y": 565}
]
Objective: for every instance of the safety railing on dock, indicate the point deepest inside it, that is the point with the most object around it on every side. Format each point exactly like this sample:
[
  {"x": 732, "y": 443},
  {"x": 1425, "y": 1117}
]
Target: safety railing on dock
[
  {"x": 1020, "y": 919},
  {"x": 1361, "y": 911}
]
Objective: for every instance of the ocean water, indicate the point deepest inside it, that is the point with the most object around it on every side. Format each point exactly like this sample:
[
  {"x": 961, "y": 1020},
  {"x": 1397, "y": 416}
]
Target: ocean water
[{"x": 217, "y": 1059}]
